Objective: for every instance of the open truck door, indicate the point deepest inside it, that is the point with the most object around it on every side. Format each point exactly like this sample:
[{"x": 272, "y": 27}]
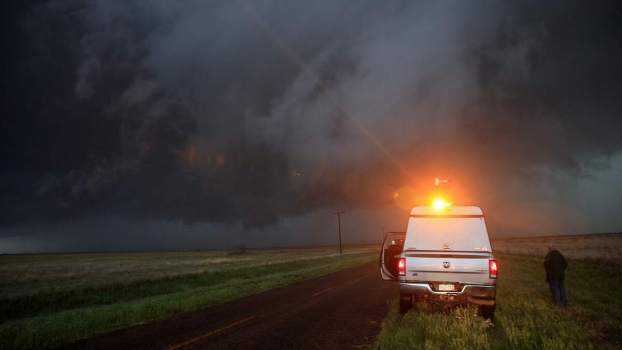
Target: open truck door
[{"x": 392, "y": 246}]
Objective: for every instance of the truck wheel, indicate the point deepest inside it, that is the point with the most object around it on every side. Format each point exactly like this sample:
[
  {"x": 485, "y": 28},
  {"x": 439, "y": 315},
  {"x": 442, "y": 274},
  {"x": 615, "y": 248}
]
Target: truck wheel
[
  {"x": 405, "y": 303},
  {"x": 487, "y": 311}
]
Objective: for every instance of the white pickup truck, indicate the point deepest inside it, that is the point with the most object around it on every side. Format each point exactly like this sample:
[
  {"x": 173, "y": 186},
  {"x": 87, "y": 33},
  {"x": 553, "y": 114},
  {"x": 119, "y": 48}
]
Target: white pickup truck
[{"x": 444, "y": 256}]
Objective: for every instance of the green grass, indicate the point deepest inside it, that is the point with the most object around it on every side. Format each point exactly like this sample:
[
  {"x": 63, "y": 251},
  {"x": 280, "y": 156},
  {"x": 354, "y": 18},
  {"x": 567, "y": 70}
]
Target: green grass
[
  {"x": 30, "y": 274},
  {"x": 525, "y": 318},
  {"x": 74, "y": 308}
]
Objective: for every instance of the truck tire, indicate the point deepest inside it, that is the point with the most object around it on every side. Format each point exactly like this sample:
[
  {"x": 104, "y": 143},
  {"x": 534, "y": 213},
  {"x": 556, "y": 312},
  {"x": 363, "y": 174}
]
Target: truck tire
[
  {"x": 405, "y": 303},
  {"x": 487, "y": 311}
]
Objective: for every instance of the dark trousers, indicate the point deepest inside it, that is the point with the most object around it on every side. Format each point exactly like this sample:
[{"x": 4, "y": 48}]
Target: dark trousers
[{"x": 558, "y": 292}]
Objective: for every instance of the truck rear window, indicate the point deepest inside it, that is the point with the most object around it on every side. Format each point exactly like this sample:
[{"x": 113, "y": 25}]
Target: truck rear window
[{"x": 448, "y": 233}]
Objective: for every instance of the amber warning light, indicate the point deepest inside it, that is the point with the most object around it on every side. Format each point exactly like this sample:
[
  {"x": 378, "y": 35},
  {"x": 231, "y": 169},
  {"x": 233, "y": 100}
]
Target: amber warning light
[{"x": 439, "y": 204}]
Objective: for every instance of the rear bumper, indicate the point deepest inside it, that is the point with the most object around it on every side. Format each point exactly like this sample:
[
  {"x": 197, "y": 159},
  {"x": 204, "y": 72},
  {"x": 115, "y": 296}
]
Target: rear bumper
[{"x": 473, "y": 294}]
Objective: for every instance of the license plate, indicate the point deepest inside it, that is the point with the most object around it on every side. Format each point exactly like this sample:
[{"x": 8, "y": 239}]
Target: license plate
[{"x": 446, "y": 287}]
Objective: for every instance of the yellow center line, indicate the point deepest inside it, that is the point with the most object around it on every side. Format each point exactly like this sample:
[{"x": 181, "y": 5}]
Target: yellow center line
[
  {"x": 210, "y": 333},
  {"x": 357, "y": 280},
  {"x": 321, "y": 292}
]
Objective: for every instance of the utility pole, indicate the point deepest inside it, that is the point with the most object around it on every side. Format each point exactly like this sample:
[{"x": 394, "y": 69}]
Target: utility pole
[{"x": 338, "y": 213}]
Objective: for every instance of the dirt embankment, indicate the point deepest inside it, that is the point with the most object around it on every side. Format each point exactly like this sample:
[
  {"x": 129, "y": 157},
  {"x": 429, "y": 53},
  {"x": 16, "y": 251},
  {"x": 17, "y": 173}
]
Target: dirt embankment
[{"x": 606, "y": 246}]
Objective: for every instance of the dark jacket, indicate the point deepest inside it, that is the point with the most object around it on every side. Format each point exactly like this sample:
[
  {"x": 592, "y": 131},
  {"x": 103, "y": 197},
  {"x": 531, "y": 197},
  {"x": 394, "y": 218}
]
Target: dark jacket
[{"x": 555, "y": 266}]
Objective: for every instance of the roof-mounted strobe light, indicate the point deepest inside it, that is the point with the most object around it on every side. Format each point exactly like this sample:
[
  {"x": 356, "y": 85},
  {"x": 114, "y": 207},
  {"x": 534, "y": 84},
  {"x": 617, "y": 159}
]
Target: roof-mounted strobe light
[{"x": 439, "y": 204}]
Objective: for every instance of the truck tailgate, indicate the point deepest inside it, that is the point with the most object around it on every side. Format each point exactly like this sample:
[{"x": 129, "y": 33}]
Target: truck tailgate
[{"x": 465, "y": 268}]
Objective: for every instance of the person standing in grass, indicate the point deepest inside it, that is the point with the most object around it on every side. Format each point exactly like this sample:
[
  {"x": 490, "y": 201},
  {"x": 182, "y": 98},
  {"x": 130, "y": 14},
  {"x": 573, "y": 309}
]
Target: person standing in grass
[{"x": 555, "y": 267}]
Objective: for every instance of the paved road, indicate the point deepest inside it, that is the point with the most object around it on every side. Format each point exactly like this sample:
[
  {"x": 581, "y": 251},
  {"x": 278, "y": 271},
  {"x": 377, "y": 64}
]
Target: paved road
[{"x": 339, "y": 311}]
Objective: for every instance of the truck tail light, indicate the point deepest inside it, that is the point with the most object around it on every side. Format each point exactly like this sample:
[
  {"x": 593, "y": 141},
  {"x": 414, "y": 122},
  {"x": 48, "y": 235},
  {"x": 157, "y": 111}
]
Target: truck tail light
[
  {"x": 493, "y": 268},
  {"x": 401, "y": 267}
]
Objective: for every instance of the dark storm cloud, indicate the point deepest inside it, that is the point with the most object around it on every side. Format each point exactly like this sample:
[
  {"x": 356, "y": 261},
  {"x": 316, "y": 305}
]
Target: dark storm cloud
[{"x": 211, "y": 111}]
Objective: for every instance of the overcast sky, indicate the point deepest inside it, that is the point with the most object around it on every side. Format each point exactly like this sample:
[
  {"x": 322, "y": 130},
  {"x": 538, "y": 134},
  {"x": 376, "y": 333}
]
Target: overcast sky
[{"x": 157, "y": 124}]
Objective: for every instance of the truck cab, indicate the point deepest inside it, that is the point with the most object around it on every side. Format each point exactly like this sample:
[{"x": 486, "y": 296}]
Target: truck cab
[{"x": 445, "y": 257}]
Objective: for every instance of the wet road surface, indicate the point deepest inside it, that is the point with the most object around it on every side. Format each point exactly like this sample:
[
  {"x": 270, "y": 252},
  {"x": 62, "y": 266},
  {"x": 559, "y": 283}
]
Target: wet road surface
[{"x": 343, "y": 310}]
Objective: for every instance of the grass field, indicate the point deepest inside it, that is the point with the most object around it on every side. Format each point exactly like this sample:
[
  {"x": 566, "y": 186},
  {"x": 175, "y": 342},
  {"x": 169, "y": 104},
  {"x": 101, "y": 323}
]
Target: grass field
[
  {"x": 606, "y": 246},
  {"x": 50, "y": 300},
  {"x": 525, "y": 318}
]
